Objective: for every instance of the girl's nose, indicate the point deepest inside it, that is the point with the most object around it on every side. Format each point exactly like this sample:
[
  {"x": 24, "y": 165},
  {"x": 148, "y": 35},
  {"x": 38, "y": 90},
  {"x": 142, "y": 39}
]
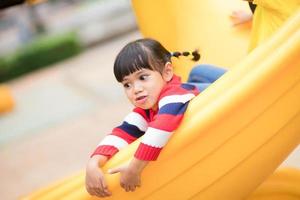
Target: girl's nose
[{"x": 138, "y": 88}]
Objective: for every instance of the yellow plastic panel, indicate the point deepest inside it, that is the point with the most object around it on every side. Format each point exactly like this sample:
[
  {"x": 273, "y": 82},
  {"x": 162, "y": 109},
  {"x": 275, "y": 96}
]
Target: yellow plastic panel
[
  {"x": 268, "y": 18},
  {"x": 6, "y": 99},
  {"x": 193, "y": 24},
  {"x": 284, "y": 184}
]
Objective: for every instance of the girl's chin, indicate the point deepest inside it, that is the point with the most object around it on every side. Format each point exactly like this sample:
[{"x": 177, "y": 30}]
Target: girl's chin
[{"x": 145, "y": 107}]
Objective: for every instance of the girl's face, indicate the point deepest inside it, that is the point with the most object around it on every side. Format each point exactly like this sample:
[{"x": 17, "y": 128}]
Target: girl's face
[{"x": 143, "y": 88}]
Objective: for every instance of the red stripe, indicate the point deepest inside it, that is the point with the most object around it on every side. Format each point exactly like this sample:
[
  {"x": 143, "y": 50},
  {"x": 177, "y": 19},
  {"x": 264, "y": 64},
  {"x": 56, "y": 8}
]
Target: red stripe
[
  {"x": 142, "y": 112},
  {"x": 166, "y": 122},
  {"x": 171, "y": 90},
  {"x": 124, "y": 135},
  {"x": 146, "y": 152},
  {"x": 174, "y": 88},
  {"x": 105, "y": 150}
]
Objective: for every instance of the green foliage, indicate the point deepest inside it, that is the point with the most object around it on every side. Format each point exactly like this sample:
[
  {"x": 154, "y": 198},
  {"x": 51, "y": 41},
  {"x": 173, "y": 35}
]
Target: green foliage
[{"x": 40, "y": 53}]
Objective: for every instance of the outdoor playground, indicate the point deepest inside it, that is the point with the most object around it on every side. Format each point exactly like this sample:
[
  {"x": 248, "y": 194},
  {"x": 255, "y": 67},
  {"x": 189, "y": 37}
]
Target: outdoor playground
[{"x": 236, "y": 133}]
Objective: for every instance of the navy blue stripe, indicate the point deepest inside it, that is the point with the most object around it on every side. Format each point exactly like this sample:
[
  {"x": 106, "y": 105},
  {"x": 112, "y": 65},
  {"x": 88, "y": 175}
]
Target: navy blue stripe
[
  {"x": 131, "y": 130},
  {"x": 173, "y": 108},
  {"x": 188, "y": 86}
]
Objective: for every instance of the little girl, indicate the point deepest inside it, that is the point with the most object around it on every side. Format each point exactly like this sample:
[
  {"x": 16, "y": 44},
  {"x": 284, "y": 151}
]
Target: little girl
[{"x": 160, "y": 100}]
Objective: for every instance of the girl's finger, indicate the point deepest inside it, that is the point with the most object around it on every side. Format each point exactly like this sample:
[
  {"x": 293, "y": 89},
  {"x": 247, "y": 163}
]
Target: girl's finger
[
  {"x": 127, "y": 188},
  {"x": 90, "y": 191},
  {"x": 122, "y": 185},
  {"x": 105, "y": 189},
  {"x": 97, "y": 192},
  {"x": 132, "y": 188},
  {"x": 139, "y": 183},
  {"x": 114, "y": 170}
]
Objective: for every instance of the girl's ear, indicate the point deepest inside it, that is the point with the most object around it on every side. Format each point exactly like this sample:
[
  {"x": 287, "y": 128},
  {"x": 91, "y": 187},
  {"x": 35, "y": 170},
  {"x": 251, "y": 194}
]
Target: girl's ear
[{"x": 168, "y": 72}]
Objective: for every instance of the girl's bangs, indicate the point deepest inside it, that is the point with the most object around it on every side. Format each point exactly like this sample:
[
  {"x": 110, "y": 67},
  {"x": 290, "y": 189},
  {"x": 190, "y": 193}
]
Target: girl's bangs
[{"x": 129, "y": 63}]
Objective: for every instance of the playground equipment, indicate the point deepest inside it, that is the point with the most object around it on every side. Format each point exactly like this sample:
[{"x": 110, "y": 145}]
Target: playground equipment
[
  {"x": 6, "y": 100},
  {"x": 282, "y": 185},
  {"x": 237, "y": 132}
]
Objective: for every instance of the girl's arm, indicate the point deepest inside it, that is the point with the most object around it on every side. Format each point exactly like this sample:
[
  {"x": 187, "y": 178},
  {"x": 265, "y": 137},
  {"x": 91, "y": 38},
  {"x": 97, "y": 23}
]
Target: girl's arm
[{"x": 133, "y": 127}]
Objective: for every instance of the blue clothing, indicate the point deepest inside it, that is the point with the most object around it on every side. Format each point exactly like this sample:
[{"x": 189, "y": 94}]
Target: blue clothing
[{"x": 204, "y": 75}]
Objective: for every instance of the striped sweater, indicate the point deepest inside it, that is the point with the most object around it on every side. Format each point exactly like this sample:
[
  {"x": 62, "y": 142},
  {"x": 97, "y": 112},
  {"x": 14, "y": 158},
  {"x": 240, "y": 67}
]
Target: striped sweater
[{"x": 156, "y": 127}]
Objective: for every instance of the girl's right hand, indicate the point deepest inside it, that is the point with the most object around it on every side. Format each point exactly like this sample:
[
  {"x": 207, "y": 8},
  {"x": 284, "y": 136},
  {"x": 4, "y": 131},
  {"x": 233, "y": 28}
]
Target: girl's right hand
[{"x": 94, "y": 180}]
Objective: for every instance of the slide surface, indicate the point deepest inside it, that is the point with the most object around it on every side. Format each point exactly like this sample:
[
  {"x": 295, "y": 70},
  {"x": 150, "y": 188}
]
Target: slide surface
[
  {"x": 234, "y": 134},
  {"x": 282, "y": 185}
]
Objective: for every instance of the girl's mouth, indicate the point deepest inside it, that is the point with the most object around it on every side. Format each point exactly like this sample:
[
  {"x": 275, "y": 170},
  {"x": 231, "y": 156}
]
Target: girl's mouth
[{"x": 141, "y": 99}]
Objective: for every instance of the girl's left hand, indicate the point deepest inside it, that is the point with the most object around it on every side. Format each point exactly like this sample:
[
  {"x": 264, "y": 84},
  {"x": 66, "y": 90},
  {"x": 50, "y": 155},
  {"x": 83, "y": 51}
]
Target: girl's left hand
[{"x": 130, "y": 178}]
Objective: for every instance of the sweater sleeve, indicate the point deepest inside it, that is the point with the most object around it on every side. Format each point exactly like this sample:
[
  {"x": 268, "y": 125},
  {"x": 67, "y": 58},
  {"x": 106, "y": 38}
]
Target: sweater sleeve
[
  {"x": 170, "y": 113},
  {"x": 133, "y": 127}
]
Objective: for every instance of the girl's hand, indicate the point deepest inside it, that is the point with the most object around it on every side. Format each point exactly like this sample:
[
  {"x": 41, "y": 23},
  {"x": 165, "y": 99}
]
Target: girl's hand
[
  {"x": 130, "y": 177},
  {"x": 94, "y": 180}
]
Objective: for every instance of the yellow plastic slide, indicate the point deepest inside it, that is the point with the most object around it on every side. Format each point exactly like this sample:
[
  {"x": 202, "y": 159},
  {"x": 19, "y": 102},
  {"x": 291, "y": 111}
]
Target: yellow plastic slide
[
  {"x": 282, "y": 185},
  {"x": 234, "y": 134},
  {"x": 269, "y": 16},
  {"x": 194, "y": 24}
]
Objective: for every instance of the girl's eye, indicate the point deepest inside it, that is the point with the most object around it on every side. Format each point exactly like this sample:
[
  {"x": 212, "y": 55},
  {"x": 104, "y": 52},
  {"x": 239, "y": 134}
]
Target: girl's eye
[
  {"x": 143, "y": 77},
  {"x": 126, "y": 85}
]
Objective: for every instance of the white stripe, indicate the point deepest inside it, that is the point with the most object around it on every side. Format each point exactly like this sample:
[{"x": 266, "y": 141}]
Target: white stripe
[
  {"x": 113, "y": 140},
  {"x": 175, "y": 99},
  {"x": 156, "y": 138},
  {"x": 137, "y": 120}
]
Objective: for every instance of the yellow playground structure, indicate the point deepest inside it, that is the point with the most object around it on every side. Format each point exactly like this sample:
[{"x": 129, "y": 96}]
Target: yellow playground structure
[
  {"x": 6, "y": 99},
  {"x": 237, "y": 132}
]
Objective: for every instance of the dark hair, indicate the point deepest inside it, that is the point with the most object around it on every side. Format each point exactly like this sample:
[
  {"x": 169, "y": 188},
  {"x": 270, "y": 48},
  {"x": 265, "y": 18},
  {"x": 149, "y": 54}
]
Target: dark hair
[
  {"x": 252, "y": 6},
  {"x": 144, "y": 54},
  {"x": 195, "y": 54}
]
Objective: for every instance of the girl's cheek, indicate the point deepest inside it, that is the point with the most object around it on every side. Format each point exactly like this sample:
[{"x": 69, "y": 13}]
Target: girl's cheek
[{"x": 127, "y": 94}]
